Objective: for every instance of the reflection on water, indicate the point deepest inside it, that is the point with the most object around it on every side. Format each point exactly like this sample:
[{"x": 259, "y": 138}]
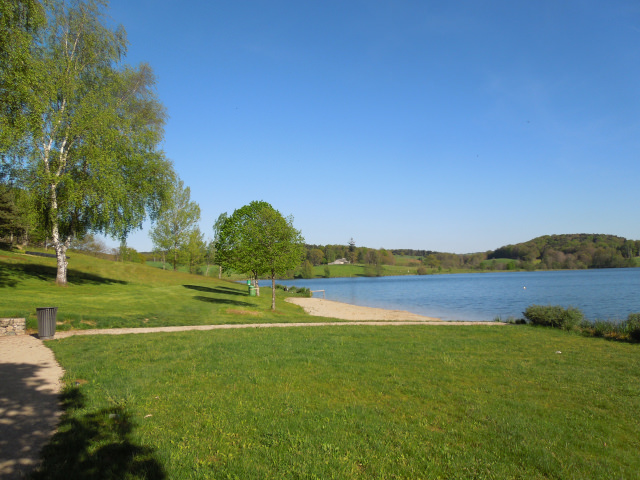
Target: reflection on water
[{"x": 600, "y": 294}]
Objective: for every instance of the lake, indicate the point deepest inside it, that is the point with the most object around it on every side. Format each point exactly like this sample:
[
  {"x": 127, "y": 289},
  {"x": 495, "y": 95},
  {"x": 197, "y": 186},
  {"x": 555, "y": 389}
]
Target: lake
[{"x": 600, "y": 294}]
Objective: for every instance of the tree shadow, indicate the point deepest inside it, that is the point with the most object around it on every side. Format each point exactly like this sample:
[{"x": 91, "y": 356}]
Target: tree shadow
[
  {"x": 95, "y": 445},
  {"x": 219, "y": 290},
  {"x": 223, "y": 301},
  {"x": 12, "y": 274},
  {"x": 28, "y": 416}
]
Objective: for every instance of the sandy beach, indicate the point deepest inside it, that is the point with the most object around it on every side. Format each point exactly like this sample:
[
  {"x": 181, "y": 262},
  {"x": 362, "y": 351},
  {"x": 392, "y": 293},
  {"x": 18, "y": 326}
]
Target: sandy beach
[{"x": 344, "y": 311}]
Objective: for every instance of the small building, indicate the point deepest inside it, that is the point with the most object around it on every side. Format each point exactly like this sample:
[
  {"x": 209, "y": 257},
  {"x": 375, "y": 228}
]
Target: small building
[{"x": 340, "y": 261}]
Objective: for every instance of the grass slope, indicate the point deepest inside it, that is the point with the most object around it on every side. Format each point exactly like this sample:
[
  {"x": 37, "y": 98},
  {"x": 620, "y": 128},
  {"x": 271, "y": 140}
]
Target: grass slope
[
  {"x": 106, "y": 294},
  {"x": 348, "y": 402}
]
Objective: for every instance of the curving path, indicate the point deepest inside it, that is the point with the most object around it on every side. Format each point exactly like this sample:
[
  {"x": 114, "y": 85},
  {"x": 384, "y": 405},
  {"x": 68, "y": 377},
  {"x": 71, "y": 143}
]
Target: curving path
[{"x": 29, "y": 405}]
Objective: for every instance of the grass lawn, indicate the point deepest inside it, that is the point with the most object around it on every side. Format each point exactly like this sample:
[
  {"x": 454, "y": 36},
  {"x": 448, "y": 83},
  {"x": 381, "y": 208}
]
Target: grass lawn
[
  {"x": 348, "y": 402},
  {"x": 107, "y": 294}
]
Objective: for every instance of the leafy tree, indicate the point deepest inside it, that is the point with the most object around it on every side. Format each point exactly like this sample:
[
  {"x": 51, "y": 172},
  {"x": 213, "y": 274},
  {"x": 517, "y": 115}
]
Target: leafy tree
[
  {"x": 307, "y": 269},
  {"x": 176, "y": 222},
  {"x": 386, "y": 257},
  {"x": 372, "y": 257},
  {"x": 209, "y": 254},
  {"x": 20, "y": 21},
  {"x": 9, "y": 214},
  {"x": 351, "y": 254},
  {"x": 195, "y": 249},
  {"x": 128, "y": 254},
  {"x": 89, "y": 156},
  {"x": 217, "y": 226},
  {"x": 316, "y": 256},
  {"x": 257, "y": 239},
  {"x": 431, "y": 261},
  {"x": 89, "y": 244}
]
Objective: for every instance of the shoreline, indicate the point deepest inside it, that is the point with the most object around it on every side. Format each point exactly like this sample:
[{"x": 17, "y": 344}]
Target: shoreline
[{"x": 321, "y": 307}]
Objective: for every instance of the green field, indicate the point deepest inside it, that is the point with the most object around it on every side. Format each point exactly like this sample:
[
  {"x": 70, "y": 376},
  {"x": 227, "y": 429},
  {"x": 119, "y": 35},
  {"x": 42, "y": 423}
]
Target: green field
[
  {"x": 106, "y": 294},
  {"x": 349, "y": 402},
  {"x": 315, "y": 402}
]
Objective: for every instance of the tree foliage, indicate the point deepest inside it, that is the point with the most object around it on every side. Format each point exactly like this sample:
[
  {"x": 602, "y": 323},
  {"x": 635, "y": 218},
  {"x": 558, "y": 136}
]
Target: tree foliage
[
  {"x": 10, "y": 220},
  {"x": 195, "y": 249},
  {"x": 20, "y": 22},
  {"x": 573, "y": 251},
  {"x": 89, "y": 154},
  {"x": 258, "y": 240},
  {"x": 176, "y": 223},
  {"x": 217, "y": 228}
]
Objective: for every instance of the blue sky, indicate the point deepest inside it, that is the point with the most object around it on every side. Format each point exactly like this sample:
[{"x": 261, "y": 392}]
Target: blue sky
[{"x": 454, "y": 126}]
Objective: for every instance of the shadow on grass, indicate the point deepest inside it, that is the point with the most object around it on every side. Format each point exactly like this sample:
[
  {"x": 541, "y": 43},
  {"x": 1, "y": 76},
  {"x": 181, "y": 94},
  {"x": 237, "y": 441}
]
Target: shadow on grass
[
  {"x": 223, "y": 301},
  {"x": 12, "y": 274},
  {"x": 95, "y": 445},
  {"x": 218, "y": 290}
]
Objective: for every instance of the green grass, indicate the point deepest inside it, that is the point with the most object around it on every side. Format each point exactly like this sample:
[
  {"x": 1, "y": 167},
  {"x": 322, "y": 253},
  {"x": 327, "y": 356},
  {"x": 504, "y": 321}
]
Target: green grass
[
  {"x": 348, "y": 402},
  {"x": 106, "y": 294}
]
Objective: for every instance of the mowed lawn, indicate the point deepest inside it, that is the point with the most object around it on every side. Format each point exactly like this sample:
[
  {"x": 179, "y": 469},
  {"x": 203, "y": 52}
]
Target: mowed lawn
[
  {"x": 107, "y": 294},
  {"x": 348, "y": 402}
]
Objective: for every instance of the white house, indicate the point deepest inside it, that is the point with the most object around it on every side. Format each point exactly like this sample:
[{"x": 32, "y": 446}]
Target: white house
[{"x": 340, "y": 261}]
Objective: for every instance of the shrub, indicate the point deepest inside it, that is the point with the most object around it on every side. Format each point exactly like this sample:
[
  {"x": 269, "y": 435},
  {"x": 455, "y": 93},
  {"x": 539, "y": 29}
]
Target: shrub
[
  {"x": 554, "y": 316},
  {"x": 293, "y": 290},
  {"x": 633, "y": 326},
  {"x": 307, "y": 269},
  {"x": 422, "y": 270},
  {"x": 602, "y": 328}
]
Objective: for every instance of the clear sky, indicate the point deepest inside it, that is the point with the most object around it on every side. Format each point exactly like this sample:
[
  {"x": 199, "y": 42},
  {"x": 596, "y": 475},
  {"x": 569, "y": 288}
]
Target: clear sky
[{"x": 454, "y": 126}]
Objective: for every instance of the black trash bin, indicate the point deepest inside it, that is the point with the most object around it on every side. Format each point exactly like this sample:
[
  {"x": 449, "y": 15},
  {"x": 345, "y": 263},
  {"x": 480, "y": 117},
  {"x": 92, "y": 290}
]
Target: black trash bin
[{"x": 47, "y": 322}]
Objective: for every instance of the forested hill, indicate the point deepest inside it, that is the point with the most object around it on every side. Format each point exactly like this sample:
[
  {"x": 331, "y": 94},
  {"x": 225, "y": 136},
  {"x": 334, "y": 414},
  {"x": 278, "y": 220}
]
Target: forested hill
[
  {"x": 548, "y": 252},
  {"x": 573, "y": 251}
]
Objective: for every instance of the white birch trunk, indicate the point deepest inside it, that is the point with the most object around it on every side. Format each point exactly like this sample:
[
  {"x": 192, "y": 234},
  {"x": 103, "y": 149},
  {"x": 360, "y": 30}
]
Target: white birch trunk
[{"x": 273, "y": 290}]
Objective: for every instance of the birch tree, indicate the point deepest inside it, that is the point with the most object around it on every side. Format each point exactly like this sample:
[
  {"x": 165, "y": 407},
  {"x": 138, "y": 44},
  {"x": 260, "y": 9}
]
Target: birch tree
[
  {"x": 91, "y": 156},
  {"x": 217, "y": 227}
]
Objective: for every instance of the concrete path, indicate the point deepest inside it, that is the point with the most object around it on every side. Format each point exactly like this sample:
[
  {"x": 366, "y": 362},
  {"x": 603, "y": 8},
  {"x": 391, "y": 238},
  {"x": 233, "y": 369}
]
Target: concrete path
[{"x": 29, "y": 405}]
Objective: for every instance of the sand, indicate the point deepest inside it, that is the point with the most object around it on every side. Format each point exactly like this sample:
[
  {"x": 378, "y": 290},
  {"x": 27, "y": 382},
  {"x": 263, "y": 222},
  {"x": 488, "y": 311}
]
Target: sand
[{"x": 328, "y": 308}]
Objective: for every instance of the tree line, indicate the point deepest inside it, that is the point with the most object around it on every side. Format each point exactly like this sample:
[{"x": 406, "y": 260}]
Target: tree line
[{"x": 571, "y": 251}]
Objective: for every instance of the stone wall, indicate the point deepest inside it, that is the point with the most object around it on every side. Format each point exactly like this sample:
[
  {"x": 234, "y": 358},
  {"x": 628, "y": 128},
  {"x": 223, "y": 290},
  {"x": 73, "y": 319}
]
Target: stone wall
[{"x": 12, "y": 326}]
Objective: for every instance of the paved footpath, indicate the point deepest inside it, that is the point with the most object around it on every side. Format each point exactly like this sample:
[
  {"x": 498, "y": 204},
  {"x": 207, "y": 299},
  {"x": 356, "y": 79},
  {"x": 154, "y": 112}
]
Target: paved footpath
[
  {"x": 29, "y": 404},
  {"x": 30, "y": 380}
]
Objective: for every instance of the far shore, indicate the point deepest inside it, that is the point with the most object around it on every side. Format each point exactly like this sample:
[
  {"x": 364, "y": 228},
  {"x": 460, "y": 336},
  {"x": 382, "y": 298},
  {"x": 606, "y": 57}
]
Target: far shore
[{"x": 328, "y": 308}]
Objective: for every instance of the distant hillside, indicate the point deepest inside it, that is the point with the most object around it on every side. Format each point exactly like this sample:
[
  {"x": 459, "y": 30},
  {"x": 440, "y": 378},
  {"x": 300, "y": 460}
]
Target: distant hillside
[{"x": 573, "y": 251}]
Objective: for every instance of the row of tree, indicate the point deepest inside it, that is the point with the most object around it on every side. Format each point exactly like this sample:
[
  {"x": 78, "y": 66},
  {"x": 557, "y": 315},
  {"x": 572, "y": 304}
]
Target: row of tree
[{"x": 324, "y": 254}]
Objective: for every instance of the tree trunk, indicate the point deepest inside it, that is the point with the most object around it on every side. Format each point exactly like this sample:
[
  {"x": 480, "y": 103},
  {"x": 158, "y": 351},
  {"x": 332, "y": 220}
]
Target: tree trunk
[
  {"x": 273, "y": 290},
  {"x": 59, "y": 246},
  {"x": 219, "y": 272},
  {"x": 61, "y": 257}
]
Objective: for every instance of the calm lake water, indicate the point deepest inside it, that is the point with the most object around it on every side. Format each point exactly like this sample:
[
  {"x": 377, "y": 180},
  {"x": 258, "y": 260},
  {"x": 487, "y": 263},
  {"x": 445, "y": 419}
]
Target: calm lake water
[{"x": 600, "y": 294}]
